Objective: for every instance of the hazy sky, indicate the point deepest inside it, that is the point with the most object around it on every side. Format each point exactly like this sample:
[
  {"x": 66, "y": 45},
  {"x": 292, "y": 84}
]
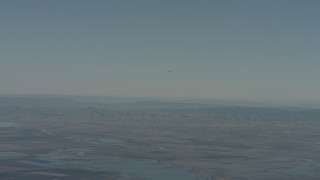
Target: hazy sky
[{"x": 258, "y": 49}]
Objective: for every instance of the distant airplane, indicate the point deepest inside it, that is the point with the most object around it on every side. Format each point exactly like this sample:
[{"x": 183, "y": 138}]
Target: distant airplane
[{"x": 169, "y": 71}]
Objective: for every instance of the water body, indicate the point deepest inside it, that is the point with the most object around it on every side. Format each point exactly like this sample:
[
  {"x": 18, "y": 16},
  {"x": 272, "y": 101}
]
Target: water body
[
  {"x": 144, "y": 169},
  {"x": 9, "y": 125},
  {"x": 11, "y": 154}
]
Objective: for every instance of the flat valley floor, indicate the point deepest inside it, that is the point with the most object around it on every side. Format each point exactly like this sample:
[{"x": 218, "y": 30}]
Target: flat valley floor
[{"x": 166, "y": 143}]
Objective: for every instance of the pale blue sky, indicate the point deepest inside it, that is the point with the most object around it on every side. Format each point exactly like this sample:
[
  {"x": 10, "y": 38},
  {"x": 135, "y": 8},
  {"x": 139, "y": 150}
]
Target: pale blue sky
[{"x": 233, "y": 49}]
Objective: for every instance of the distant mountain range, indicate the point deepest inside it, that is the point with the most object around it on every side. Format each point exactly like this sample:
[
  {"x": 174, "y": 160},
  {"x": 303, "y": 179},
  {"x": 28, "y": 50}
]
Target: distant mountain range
[{"x": 64, "y": 101}]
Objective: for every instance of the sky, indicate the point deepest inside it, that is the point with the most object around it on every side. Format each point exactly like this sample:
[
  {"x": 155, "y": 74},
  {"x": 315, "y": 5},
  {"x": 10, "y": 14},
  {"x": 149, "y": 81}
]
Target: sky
[{"x": 215, "y": 49}]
